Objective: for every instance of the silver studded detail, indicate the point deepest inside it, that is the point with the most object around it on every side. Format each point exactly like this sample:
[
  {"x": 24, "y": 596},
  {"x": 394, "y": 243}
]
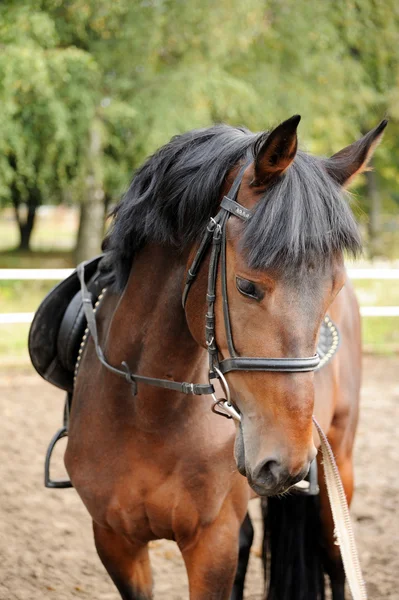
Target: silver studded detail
[
  {"x": 86, "y": 335},
  {"x": 334, "y": 345}
]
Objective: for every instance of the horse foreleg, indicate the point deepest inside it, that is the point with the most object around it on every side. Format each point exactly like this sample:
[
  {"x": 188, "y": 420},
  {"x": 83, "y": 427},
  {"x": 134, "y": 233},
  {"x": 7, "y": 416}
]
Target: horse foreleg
[
  {"x": 332, "y": 558},
  {"x": 211, "y": 561},
  {"x": 127, "y": 565}
]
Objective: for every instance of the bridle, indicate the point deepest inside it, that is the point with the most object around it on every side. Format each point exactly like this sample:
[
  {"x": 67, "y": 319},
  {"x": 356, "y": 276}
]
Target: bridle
[
  {"x": 215, "y": 239},
  {"x": 215, "y": 236}
]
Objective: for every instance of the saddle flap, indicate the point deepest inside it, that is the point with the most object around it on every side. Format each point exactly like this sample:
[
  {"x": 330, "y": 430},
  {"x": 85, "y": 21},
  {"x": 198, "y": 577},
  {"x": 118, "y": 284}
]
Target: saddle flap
[{"x": 45, "y": 328}]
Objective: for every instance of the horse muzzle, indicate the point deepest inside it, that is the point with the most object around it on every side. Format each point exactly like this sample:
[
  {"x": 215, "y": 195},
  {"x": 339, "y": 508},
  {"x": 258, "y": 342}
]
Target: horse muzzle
[{"x": 271, "y": 477}]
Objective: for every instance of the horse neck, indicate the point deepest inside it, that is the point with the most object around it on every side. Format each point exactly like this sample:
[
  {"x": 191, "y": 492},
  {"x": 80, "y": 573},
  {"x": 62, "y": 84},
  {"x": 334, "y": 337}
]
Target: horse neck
[{"x": 149, "y": 331}]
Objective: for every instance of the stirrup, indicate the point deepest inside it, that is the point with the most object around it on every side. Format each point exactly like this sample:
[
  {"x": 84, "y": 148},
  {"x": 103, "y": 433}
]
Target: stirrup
[
  {"x": 48, "y": 482},
  {"x": 61, "y": 433}
]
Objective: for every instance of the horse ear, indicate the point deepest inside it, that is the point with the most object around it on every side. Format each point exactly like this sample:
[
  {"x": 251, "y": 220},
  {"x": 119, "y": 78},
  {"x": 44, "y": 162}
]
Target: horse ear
[
  {"x": 353, "y": 159},
  {"x": 275, "y": 153}
]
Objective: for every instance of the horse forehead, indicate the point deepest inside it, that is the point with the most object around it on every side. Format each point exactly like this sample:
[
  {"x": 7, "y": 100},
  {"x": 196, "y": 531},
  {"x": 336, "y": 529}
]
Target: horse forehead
[{"x": 312, "y": 277}]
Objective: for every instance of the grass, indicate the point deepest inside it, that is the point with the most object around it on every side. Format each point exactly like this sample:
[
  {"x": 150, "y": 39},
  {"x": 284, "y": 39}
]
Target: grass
[
  {"x": 52, "y": 243},
  {"x": 37, "y": 259},
  {"x": 13, "y": 345},
  {"x": 377, "y": 292},
  {"x": 380, "y": 335},
  {"x": 55, "y": 229},
  {"x": 22, "y": 296}
]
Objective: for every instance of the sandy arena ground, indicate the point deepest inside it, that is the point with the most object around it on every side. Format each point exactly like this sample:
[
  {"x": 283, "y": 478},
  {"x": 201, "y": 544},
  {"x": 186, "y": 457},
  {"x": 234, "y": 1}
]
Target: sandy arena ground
[{"x": 46, "y": 546}]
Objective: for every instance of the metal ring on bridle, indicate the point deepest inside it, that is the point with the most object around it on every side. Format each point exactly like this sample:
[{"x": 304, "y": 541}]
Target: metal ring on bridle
[
  {"x": 225, "y": 387},
  {"x": 223, "y": 406}
]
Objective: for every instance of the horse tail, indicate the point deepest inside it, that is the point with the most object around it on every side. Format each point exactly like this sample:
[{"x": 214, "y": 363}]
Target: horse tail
[{"x": 292, "y": 548}]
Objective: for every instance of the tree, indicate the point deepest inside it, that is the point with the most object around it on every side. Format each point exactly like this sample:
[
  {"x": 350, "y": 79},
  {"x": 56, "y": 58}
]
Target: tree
[
  {"x": 44, "y": 112},
  {"x": 139, "y": 72},
  {"x": 336, "y": 63},
  {"x": 160, "y": 75}
]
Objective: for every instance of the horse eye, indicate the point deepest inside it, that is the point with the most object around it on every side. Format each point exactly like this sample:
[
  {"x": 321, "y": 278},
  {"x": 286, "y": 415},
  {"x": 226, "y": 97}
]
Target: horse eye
[{"x": 247, "y": 288}]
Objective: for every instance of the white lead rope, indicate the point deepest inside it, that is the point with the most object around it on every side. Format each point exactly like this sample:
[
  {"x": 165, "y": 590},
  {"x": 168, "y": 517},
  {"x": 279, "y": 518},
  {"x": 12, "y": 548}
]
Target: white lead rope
[
  {"x": 339, "y": 506},
  {"x": 342, "y": 520}
]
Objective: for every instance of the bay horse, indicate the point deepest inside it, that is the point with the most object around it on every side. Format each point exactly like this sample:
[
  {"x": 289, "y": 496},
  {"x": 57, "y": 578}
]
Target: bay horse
[{"x": 151, "y": 462}]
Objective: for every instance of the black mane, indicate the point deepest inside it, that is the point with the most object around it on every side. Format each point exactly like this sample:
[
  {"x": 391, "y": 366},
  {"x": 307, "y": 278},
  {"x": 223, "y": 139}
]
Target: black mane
[{"x": 172, "y": 196}]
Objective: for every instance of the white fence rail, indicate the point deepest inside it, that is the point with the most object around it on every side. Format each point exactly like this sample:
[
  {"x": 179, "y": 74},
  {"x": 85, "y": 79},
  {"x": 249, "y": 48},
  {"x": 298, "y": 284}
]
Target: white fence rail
[
  {"x": 14, "y": 318},
  {"x": 373, "y": 273},
  {"x": 379, "y": 311},
  {"x": 365, "y": 311},
  {"x": 59, "y": 274},
  {"x": 40, "y": 274}
]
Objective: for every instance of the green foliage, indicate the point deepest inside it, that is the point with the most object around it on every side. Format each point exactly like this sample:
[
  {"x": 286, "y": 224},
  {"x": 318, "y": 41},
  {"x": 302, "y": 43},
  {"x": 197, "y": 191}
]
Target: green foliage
[
  {"x": 165, "y": 68},
  {"x": 48, "y": 98},
  {"x": 149, "y": 69}
]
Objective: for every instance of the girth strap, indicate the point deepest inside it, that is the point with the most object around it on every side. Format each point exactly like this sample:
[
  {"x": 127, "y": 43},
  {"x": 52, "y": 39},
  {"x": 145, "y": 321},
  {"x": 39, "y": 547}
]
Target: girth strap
[{"x": 197, "y": 389}]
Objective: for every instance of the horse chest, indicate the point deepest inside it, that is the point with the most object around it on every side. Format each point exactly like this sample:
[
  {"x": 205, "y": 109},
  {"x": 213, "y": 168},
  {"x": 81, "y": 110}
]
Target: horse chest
[{"x": 155, "y": 508}]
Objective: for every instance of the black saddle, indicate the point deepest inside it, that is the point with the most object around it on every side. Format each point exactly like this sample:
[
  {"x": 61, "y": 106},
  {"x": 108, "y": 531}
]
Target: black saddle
[{"x": 58, "y": 327}]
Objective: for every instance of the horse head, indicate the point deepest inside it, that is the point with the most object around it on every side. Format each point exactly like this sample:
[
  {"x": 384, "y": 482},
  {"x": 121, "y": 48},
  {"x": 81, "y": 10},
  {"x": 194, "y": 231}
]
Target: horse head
[{"x": 280, "y": 271}]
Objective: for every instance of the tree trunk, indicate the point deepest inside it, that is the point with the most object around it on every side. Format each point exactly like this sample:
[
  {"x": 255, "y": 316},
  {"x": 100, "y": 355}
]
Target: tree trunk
[
  {"x": 26, "y": 229},
  {"x": 91, "y": 224},
  {"x": 374, "y": 225},
  {"x": 27, "y": 223}
]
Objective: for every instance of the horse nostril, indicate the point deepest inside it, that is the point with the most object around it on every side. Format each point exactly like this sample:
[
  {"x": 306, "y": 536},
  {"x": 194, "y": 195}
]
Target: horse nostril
[
  {"x": 268, "y": 472},
  {"x": 273, "y": 467}
]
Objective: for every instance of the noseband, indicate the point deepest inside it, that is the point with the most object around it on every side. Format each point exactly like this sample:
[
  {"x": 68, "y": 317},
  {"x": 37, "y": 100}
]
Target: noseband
[{"x": 214, "y": 238}]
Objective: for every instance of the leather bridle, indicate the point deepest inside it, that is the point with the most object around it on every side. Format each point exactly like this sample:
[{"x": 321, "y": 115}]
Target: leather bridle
[{"x": 214, "y": 239}]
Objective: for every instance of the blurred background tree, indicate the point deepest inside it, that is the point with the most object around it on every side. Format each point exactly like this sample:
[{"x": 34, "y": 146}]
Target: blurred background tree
[
  {"x": 47, "y": 101},
  {"x": 89, "y": 88}
]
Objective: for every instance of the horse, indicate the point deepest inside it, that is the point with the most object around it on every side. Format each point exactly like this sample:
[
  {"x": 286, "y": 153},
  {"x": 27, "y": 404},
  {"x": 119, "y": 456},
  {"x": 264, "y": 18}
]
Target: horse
[{"x": 251, "y": 231}]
